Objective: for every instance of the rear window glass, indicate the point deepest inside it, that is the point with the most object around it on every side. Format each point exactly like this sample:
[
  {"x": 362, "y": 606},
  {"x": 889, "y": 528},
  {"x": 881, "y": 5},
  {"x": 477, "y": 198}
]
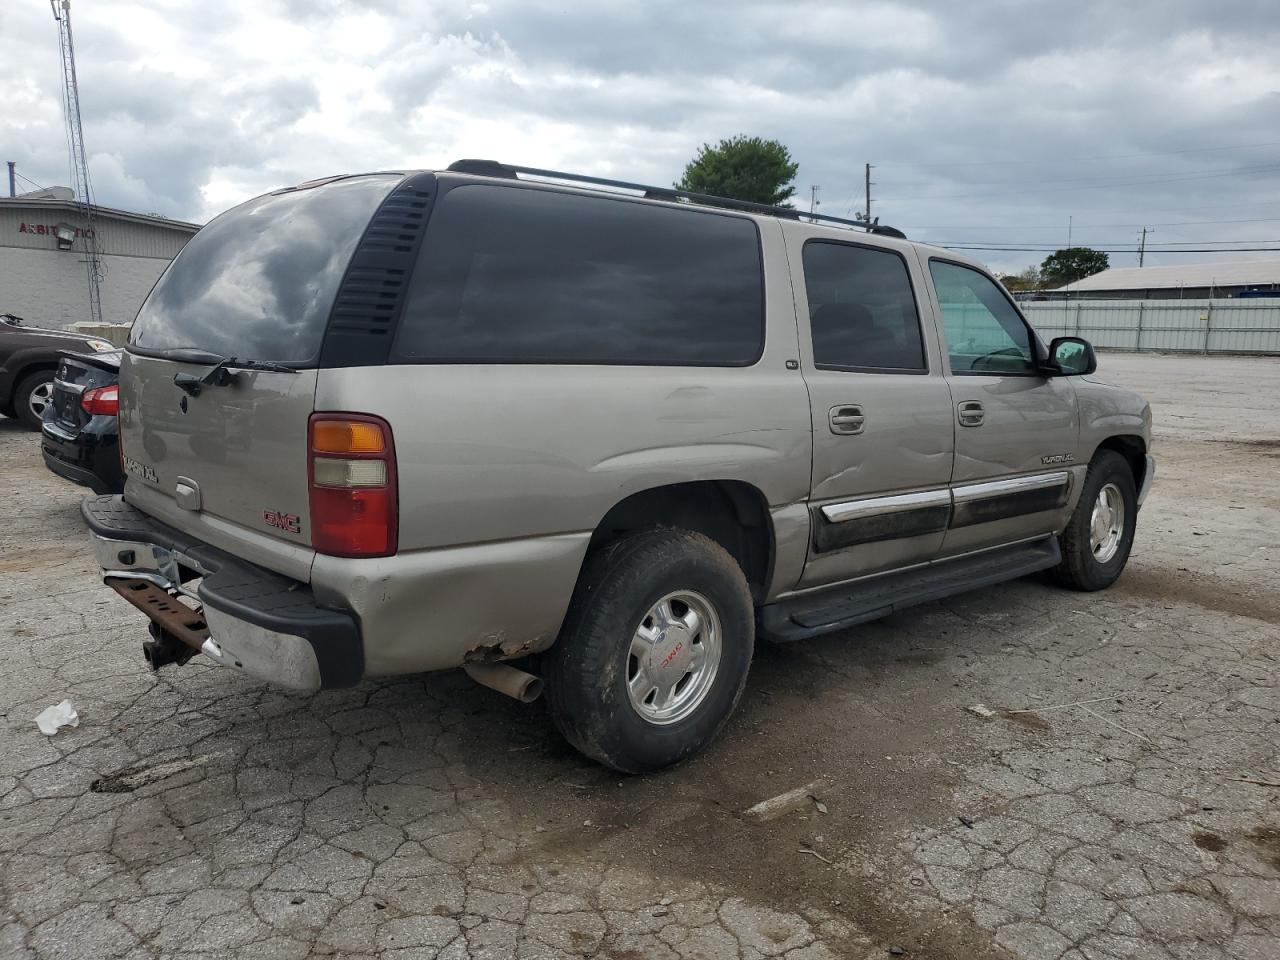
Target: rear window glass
[
  {"x": 258, "y": 282},
  {"x": 507, "y": 274}
]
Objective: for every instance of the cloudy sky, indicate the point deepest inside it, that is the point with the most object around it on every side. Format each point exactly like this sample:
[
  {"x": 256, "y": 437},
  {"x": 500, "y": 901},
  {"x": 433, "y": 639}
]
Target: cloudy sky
[{"x": 989, "y": 121}]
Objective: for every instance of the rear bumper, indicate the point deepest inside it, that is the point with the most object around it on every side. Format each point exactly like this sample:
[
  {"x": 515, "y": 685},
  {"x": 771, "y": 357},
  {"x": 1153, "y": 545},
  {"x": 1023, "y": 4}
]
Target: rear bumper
[
  {"x": 89, "y": 459},
  {"x": 248, "y": 618}
]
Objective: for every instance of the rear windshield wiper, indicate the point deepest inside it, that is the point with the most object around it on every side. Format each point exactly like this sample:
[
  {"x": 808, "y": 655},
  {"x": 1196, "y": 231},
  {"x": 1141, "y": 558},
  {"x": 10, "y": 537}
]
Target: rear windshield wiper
[{"x": 222, "y": 372}]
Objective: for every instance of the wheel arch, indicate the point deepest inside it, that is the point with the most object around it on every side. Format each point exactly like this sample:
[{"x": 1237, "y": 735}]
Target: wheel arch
[
  {"x": 733, "y": 513},
  {"x": 24, "y": 371},
  {"x": 1134, "y": 450}
]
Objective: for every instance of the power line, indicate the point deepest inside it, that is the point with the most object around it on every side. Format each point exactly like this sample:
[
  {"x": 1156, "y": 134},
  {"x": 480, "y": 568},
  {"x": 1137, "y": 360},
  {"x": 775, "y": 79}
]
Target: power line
[
  {"x": 1135, "y": 177},
  {"x": 1150, "y": 244},
  {"x": 1083, "y": 226},
  {"x": 1142, "y": 181},
  {"x": 29, "y": 180},
  {"x": 1122, "y": 156},
  {"x": 1132, "y": 249}
]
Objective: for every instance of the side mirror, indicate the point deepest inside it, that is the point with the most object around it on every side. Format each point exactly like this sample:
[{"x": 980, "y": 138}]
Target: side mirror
[{"x": 1071, "y": 357}]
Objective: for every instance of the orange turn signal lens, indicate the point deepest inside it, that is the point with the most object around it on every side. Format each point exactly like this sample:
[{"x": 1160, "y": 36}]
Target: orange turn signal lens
[{"x": 346, "y": 436}]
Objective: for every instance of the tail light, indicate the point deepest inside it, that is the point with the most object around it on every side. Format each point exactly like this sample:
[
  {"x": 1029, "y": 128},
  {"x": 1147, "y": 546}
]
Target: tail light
[
  {"x": 102, "y": 401},
  {"x": 352, "y": 474}
]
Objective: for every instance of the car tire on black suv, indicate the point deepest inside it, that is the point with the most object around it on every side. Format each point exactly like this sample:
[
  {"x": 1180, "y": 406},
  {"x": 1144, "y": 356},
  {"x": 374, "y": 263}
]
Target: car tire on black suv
[
  {"x": 1098, "y": 537},
  {"x": 654, "y": 652},
  {"x": 33, "y": 390}
]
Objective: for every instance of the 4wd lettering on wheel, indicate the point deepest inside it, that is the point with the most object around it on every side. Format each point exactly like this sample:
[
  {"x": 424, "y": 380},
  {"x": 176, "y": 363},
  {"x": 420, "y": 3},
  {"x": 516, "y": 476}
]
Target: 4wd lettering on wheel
[{"x": 288, "y": 522}]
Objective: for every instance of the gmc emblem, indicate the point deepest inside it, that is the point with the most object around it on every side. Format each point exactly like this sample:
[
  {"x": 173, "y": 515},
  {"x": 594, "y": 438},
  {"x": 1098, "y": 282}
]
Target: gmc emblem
[{"x": 288, "y": 522}]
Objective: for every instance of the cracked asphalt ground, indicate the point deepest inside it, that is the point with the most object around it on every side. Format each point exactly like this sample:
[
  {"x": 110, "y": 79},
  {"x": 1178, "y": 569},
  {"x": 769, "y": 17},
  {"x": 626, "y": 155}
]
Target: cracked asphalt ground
[{"x": 1119, "y": 802}]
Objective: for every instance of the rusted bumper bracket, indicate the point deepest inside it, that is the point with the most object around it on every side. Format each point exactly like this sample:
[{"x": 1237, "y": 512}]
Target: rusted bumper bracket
[{"x": 167, "y": 612}]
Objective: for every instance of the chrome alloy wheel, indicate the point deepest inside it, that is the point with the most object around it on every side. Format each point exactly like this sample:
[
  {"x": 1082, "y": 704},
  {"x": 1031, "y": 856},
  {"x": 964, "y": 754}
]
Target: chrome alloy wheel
[
  {"x": 1106, "y": 525},
  {"x": 40, "y": 398},
  {"x": 674, "y": 656}
]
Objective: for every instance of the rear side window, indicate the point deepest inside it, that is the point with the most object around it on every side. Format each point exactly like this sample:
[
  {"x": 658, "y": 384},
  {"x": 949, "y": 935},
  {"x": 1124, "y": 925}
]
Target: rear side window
[
  {"x": 861, "y": 309},
  {"x": 514, "y": 275},
  {"x": 258, "y": 282}
]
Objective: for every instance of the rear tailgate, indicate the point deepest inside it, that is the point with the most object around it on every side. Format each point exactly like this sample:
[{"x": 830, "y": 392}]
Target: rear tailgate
[
  {"x": 226, "y": 461},
  {"x": 228, "y": 466}
]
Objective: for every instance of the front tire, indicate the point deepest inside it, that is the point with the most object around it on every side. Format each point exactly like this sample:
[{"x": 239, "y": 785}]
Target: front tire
[
  {"x": 34, "y": 393},
  {"x": 1097, "y": 540},
  {"x": 654, "y": 652}
]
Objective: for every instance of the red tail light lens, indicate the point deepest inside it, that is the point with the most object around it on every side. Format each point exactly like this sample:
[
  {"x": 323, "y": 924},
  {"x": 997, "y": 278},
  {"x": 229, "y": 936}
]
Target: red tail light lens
[
  {"x": 102, "y": 401},
  {"x": 352, "y": 476}
]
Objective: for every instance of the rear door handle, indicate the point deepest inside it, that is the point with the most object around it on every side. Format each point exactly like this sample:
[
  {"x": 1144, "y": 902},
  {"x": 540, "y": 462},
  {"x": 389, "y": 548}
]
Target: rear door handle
[
  {"x": 970, "y": 413},
  {"x": 847, "y": 419}
]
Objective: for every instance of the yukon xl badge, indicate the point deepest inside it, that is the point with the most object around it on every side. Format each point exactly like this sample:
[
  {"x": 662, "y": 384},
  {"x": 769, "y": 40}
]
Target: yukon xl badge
[
  {"x": 288, "y": 522},
  {"x": 1059, "y": 458},
  {"x": 140, "y": 469}
]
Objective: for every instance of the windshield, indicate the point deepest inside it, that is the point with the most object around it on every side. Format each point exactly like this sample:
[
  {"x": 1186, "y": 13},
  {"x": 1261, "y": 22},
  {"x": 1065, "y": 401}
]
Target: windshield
[{"x": 259, "y": 280}]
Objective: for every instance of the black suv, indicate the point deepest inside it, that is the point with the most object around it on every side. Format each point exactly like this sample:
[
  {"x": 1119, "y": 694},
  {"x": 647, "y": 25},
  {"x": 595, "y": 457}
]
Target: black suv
[{"x": 29, "y": 357}]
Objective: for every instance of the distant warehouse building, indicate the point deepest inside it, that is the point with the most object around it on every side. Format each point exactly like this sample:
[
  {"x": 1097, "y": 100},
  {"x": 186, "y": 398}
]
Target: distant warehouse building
[
  {"x": 43, "y": 277},
  {"x": 1186, "y": 281}
]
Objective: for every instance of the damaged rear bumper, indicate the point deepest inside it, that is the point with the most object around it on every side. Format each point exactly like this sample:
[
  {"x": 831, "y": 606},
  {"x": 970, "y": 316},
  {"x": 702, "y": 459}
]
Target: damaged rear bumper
[{"x": 240, "y": 615}]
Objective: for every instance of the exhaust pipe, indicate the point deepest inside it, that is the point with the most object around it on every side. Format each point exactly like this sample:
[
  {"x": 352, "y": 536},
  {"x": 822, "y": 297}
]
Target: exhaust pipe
[{"x": 522, "y": 686}]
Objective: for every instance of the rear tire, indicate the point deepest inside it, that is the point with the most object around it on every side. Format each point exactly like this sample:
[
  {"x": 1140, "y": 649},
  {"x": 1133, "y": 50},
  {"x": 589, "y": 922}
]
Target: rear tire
[
  {"x": 34, "y": 393},
  {"x": 1097, "y": 540},
  {"x": 654, "y": 652}
]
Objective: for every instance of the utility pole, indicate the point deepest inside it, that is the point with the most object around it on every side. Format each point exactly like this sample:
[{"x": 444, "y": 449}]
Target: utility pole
[
  {"x": 1142, "y": 247},
  {"x": 1069, "y": 222},
  {"x": 813, "y": 198},
  {"x": 77, "y": 154},
  {"x": 867, "y": 211},
  {"x": 13, "y": 183}
]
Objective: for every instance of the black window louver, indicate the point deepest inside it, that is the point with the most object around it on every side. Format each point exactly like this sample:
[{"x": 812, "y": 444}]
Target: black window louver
[{"x": 368, "y": 304}]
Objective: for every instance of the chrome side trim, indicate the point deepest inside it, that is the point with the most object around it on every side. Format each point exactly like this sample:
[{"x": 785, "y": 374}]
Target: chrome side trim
[
  {"x": 875, "y": 506},
  {"x": 999, "y": 488}
]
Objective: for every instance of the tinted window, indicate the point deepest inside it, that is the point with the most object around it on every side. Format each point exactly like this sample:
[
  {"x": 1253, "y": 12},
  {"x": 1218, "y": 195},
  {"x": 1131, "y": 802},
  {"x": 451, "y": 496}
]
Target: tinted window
[
  {"x": 512, "y": 274},
  {"x": 983, "y": 331},
  {"x": 861, "y": 309},
  {"x": 259, "y": 280}
]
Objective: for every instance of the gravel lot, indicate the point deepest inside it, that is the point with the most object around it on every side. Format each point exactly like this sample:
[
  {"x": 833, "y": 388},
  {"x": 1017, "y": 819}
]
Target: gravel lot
[{"x": 1121, "y": 802}]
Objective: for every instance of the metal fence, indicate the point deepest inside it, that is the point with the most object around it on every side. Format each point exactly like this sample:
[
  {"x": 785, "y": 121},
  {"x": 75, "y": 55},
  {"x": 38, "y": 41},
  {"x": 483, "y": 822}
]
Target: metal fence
[{"x": 1187, "y": 326}]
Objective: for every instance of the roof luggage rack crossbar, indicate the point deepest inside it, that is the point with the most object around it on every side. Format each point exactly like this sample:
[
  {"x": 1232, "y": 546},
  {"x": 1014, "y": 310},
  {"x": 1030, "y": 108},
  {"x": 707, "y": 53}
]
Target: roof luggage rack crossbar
[{"x": 492, "y": 168}]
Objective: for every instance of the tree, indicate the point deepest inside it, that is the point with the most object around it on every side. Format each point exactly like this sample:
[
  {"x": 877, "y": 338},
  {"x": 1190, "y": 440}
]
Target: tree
[
  {"x": 743, "y": 168},
  {"x": 1071, "y": 264},
  {"x": 1028, "y": 279}
]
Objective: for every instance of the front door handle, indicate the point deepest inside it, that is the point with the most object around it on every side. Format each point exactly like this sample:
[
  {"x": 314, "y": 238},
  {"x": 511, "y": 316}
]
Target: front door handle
[
  {"x": 847, "y": 419},
  {"x": 970, "y": 413}
]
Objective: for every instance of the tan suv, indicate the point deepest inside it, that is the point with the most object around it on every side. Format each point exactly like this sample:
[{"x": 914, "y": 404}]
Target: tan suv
[{"x": 398, "y": 422}]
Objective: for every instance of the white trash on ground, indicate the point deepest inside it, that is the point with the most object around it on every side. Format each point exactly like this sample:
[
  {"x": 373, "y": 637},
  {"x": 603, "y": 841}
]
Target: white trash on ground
[{"x": 63, "y": 714}]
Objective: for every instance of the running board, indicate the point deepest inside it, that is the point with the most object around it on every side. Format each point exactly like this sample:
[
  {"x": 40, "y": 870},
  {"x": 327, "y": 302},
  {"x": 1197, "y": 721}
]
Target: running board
[{"x": 812, "y": 614}]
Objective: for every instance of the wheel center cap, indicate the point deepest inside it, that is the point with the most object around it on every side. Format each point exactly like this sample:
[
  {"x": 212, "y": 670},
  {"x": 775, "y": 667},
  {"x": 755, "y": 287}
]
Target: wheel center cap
[{"x": 671, "y": 654}]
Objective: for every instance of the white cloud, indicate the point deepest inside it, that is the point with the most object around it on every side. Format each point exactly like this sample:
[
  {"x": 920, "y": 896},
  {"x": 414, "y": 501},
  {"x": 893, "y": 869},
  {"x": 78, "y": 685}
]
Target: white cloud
[{"x": 981, "y": 115}]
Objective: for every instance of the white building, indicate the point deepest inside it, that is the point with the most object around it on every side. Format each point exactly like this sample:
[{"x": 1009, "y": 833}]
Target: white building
[{"x": 43, "y": 277}]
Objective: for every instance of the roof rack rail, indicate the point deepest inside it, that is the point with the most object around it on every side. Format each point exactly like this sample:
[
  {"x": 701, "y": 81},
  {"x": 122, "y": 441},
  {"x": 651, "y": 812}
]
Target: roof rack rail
[{"x": 506, "y": 171}]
